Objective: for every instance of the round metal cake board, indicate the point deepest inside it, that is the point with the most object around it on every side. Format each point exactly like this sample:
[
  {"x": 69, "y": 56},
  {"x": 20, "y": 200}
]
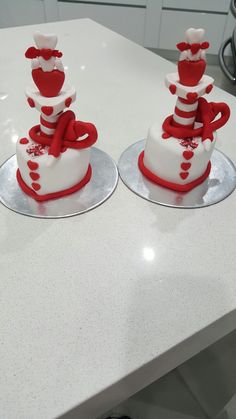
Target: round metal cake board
[
  {"x": 220, "y": 183},
  {"x": 99, "y": 189}
]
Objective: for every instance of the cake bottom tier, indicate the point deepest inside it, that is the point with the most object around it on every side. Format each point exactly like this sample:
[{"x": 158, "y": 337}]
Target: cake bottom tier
[
  {"x": 178, "y": 164},
  {"x": 43, "y": 177}
]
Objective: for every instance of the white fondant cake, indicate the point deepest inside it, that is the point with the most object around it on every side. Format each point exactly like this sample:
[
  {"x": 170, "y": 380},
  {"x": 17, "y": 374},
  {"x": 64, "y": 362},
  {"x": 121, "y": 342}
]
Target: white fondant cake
[
  {"x": 53, "y": 160},
  {"x": 166, "y": 158},
  {"x": 67, "y": 170},
  {"x": 177, "y": 154}
]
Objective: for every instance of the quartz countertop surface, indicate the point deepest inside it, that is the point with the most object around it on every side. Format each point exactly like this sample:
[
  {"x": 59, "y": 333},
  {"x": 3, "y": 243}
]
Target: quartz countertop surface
[{"x": 95, "y": 307}]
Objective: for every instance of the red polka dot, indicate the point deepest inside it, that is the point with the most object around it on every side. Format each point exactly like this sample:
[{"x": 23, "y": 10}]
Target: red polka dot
[
  {"x": 34, "y": 176},
  {"x": 47, "y": 110},
  {"x": 172, "y": 88},
  {"x": 35, "y": 186},
  {"x": 31, "y": 102},
  {"x": 32, "y": 165},
  {"x": 192, "y": 97},
  {"x": 165, "y": 135},
  {"x": 209, "y": 88},
  {"x": 68, "y": 102},
  {"x": 24, "y": 141}
]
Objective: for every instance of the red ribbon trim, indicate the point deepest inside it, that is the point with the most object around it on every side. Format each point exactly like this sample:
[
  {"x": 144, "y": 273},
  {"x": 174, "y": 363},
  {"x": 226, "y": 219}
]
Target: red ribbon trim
[
  {"x": 207, "y": 113},
  {"x": 53, "y": 195},
  {"x": 174, "y": 186},
  {"x": 194, "y": 48},
  {"x": 45, "y": 53},
  {"x": 67, "y": 132}
]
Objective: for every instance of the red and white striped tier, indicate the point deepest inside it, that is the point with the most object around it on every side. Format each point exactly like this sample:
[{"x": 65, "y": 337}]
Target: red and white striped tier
[
  {"x": 185, "y": 113},
  {"x": 48, "y": 123}
]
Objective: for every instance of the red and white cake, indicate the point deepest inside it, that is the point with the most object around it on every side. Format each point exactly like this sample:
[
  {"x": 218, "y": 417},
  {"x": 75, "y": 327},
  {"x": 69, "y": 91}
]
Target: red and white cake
[
  {"x": 54, "y": 159},
  {"x": 177, "y": 155}
]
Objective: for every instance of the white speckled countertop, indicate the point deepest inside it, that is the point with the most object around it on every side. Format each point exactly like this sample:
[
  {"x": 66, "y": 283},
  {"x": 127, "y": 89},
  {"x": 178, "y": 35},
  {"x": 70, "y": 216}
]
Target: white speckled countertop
[{"x": 95, "y": 307}]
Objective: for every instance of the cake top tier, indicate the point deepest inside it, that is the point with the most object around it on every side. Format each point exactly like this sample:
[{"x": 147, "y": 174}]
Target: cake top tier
[
  {"x": 47, "y": 68},
  {"x": 192, "y": 60}
]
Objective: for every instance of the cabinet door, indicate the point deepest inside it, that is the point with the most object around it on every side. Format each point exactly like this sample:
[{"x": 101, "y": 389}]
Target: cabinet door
[
  {"x": 179, "y": 21},
  {"x": 21, "y": 12},
  {"x": 219, "y": 6},
  {"x": 128, "y": 20}
]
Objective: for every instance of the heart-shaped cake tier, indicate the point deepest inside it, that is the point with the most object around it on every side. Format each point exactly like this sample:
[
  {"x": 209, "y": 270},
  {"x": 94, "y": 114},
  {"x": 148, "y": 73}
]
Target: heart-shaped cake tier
[
  {"x": 191, "y": 72},
  {"x": 49, "y": 83}
]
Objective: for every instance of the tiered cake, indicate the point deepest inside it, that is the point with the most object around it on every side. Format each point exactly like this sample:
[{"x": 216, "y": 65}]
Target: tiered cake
[
  {"x": 54, "y": 160},
  {"x": 177, "y": 155}
]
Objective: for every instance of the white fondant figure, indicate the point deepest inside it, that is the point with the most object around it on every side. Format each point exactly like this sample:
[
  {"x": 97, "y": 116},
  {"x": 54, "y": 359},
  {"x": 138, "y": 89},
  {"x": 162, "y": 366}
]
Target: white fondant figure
[
  {"x": 47, "y": 42},
  {"x": 193, "y": 36}
]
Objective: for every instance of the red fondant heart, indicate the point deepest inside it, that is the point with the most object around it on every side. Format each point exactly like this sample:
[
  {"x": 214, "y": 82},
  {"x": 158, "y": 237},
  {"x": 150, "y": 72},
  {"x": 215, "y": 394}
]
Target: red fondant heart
[
  {"x": 192, "y": 97},
  {"x": 31, "y": 102},
  {"x": 68, "y": 102},
  {"x": 191, "y": 72},
  {"x": 209, "y": 88},
  {"x": 24, "y": 141},
  {"x": 172, "y": 88},
  {"x": 185, "y": 166},
  {"x": 49, "y": 83},
  {"x": 32, "y": 165},
  {"x": 188, "y": 154},
  {"x": 47, "y": 110},
  {"x": 35, "y": 186},
  {"x": 165, "y": 135},
  {"x": 184, "y": 175},
  {"x": 34, "y": 176}
]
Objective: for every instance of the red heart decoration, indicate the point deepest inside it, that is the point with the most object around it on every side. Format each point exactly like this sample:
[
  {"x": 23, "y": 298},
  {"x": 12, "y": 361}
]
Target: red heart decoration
[
  {"x": 209, "y": 88},
  {"x": 34, "y": 176},
  {"x": 32, "y": 165},
  {"x": 31, "y": 102},
  {"x": 185, "y": 166},
  {"x": 46, "y": 53},
  {"x": 68, "y": 102},
  {"x": 172, "y": 88},
  {"x": 165, "y": 135},
  {"x": 35, "y": 186},
  {"x": 47, "y": 110},
  {"x": 192, "y": 97},
  {"x": 49, "y": 83},
  {"x": 184, "y": 175},
  {"x": 24, "y": 141},
  {"x": 188, "y": 154},
  {"x": 191, "y": 72}
]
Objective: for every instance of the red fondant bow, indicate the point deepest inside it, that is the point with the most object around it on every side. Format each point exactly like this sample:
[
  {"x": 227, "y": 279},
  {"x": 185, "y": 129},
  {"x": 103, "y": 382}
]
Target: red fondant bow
[
  {"x": 46, "y": 53},
  {"x": 194, "y": 48}
]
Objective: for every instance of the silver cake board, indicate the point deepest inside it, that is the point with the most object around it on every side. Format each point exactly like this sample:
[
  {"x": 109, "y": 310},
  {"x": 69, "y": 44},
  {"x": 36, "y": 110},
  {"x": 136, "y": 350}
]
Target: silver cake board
[
  {"x": 98, "y": 190},
  {"x": 220, "y": 183}
]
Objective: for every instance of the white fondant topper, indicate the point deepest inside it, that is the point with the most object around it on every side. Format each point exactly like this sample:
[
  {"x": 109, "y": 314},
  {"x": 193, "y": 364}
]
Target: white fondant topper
[
  {"x": 46, "y": 42},
  {"x": 193, "y": 36}
]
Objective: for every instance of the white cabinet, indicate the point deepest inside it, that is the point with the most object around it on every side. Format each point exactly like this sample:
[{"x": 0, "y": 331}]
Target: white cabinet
[
  {"x": 151, "y": 23},
  {"x": 22, "y": 12},
  {"x": 174, "y": 23},
  {"x": 128, "y": 20},
  {"x": 177, "y": 16},
  {"x": 218, "y": 6},
  {"x": 137, "y": 20}
]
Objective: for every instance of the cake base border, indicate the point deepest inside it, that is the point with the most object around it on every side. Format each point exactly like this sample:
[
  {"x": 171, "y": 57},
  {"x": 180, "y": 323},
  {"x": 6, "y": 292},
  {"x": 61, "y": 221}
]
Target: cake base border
[
  {"x": 170, "y": 185},
  {"x": 100, "y": 187},
  {"x": 218, "y": 186},
  {"x": 54, "y": 195}
]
